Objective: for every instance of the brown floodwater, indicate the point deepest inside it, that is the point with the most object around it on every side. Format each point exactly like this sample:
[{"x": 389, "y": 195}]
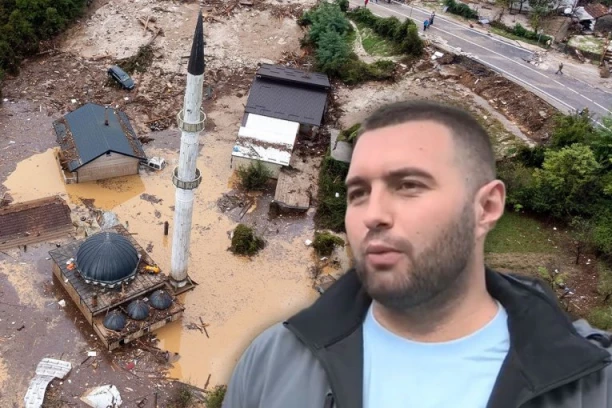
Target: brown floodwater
[{"x": 236, "y": 297}]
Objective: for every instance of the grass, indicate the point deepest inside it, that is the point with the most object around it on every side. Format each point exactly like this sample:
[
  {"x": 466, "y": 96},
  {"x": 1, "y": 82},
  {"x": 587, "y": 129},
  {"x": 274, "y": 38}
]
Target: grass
[
  {"x": 350, "y": 38},
  {"x": 214, "y": 399},
  {"x": 332, "y": 195},
  {"x": 587, "y": 43},
  {"x": 516, "y": 233},
  {"x": 511, "y": 36},
  {"x": 374, "y": 44}
]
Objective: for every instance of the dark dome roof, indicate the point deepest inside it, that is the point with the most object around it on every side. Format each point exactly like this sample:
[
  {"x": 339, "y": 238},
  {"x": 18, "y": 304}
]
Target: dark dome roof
[
  {"x": 107, "y": 258},
  {"x": 115, "y": 320},
  {"x": 160, "y": 299},
  {"x": 138, "y": 310}
]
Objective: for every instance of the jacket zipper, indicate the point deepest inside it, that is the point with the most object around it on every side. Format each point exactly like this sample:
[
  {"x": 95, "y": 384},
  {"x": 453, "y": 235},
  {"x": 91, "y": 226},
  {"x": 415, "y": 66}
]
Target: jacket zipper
[
  {"x": 329, "y": 398},
  {"x": 569, "y": 380}
]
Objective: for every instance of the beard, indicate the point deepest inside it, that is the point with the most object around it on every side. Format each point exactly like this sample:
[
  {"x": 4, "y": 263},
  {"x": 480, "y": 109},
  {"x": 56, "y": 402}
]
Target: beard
[{"x": 433, "y": 278}]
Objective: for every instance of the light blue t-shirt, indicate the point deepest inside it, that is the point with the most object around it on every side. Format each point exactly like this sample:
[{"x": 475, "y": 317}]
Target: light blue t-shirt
[{"x": 408, "y": 374}]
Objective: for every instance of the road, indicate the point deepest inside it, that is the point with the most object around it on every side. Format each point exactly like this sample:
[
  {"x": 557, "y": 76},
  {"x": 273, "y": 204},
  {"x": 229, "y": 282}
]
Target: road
[{"x": 566, "y": 93}]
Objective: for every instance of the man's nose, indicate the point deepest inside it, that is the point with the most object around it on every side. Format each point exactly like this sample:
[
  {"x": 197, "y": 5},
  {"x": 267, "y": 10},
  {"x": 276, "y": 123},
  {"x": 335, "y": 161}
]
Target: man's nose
[{"x": 378, "y": 214}]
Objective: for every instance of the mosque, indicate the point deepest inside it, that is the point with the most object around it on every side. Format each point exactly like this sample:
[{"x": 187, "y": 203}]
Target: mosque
[{"x": 116, "y": 286}]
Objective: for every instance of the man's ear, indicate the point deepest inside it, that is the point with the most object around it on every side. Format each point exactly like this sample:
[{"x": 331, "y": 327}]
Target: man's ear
[{"x": 490, "y": 201}]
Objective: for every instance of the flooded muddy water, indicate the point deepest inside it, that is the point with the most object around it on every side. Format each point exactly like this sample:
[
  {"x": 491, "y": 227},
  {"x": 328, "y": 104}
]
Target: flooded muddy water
[{"x": 236, "y": 297}]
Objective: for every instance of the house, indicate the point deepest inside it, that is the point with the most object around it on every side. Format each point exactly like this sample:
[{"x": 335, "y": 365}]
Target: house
[
  {"x": 597, "y": 12},
  {"x": 267, "y": 140},
  {"x": 290, "y": 94},
  {"x": 97, "y": 143},
  {"x": 282, "y": 103}
]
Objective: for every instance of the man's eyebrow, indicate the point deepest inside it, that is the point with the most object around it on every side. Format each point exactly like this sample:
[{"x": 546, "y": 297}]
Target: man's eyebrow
[
  {"x": 410, "y": 172},
  {"x": 394, "y": 175},
  {"x": 354, "y": 181}
]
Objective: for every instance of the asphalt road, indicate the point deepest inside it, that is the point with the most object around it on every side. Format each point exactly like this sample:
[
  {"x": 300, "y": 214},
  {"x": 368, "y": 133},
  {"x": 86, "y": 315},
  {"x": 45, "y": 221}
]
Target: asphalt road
[{"x": 566, "y": 93}]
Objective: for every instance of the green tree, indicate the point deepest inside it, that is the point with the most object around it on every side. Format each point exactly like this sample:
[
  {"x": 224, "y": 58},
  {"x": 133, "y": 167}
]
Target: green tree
[
  {"x": 602, "y": 232},
  {"x": 332, "y": 52},
  {"x": 565, "y": 184},
  {"x": 600, "y": 141},
  {"x": 570, "y": 129},
  {"x": 327, "y": 17},
  {"x": 582, "y": 233},
  {"x": 540, "y": 9}
]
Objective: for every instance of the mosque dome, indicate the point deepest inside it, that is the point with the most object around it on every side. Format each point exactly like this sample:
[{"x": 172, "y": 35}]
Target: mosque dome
[
  {"x": 160, "y": 299},
  {"x": 107, "y": 258},
  {"x": 115, "y": 321},
  {"x": 138, "y": 310}
]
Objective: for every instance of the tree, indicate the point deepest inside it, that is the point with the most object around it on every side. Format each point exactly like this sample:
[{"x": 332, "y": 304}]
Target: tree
[
  {"x": 570, "y": 129},
  {"x": 582, "y": 232},
  {"x": 600, "y": 141},
  {"x": 566, "y": 183},
  {"x": 332, "y": 52},
  {"x": 540, "y": 9},
  {"x": 503, "y": 4}
]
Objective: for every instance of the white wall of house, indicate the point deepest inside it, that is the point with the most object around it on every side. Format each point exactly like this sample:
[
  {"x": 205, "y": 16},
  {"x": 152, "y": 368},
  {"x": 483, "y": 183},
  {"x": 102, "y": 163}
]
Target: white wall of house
[{"x": 238, "y": 162}]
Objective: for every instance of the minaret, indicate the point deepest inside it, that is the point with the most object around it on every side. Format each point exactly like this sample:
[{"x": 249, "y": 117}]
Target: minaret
[{"x": 186, "y": 177}]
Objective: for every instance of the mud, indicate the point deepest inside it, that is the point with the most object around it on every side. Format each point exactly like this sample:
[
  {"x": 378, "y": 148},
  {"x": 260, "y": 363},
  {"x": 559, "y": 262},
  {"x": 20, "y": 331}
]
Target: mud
[{"x": 236, "y": 297}]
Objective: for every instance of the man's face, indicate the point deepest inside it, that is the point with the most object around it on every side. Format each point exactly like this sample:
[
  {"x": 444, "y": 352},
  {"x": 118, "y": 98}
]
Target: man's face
[{"x": 410, "y": 219}]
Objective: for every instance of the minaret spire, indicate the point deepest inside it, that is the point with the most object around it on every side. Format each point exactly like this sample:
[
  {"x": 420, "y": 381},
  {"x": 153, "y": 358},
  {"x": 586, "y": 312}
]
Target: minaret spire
[
  {"x": 186, "y": 177},
  {"x": 196, "y": 59}
]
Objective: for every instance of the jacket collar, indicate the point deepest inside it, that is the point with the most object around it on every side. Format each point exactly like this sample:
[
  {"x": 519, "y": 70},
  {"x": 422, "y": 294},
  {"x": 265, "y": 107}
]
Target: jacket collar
[{"x": 545, "y": 349}]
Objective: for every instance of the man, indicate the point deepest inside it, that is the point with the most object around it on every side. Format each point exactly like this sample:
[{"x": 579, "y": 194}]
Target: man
[
  {"x": 425, "y": 25},
  {"x": 560, "y": 70},
  {"x": 420, "y": 321},
  {"x": 431, "y": 18}
]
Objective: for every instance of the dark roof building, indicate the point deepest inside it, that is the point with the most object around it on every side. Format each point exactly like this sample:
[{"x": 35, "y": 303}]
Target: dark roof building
[
  {"x": 92, "y": 131},
  {"x": 107, "y": 258},
  {"x": 290, "y": 94}
]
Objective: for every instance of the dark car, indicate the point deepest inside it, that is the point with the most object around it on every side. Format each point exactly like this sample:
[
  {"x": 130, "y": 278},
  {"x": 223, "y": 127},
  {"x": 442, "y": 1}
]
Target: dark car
[{"x": 121, "y": 77}]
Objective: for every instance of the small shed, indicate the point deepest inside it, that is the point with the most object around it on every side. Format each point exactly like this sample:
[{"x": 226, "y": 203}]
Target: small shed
[
  {"x": 267, "y": 140},
  {"x": 290, "y": 94},
  {"x": 97, "y": 143}
]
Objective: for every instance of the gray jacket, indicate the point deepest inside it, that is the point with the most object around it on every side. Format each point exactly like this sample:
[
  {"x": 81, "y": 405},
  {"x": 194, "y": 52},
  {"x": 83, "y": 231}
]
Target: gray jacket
[{"x": 315, "y": 359}]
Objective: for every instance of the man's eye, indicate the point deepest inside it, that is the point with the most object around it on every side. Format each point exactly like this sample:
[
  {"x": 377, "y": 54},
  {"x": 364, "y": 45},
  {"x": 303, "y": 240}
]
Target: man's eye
[
  {"x": 355, "y": 194},
  {"x": 409, "y": 185}
]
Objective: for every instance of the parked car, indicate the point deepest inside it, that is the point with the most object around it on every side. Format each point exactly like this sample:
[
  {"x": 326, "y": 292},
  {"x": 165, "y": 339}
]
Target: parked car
[
  {"x": 121, "y": 77},
  {"x": 155, "y": 163}
]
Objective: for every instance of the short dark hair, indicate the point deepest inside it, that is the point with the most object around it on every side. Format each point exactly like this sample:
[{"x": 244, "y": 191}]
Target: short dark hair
[{"x": 474, "y": 149}]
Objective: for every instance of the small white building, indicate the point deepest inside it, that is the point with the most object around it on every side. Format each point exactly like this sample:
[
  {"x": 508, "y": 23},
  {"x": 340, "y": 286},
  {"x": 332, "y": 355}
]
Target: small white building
[{"x": 265, "y": 139}]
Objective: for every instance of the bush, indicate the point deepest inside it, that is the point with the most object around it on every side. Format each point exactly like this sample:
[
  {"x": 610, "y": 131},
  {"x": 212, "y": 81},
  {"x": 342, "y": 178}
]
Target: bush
[
  {"x": 519, "y": 182},
  {"x": 332, "y": 195},
  {"x": 404, "y": 34},
  {"x": 565, "y": 184},
  {"x": 461, "y": 9},
  {"x": 570, "y": 129},
  {"x": 255, "y": 176},
  {"x": 531, "y": 156},
  {"x": 332, "y": 53},
  {"x": 182, "y": 397},
  {"x": 355, "y": 71},
  {"x": 350, "y": 134},
  {"x": 601, "y": 317},
  {"x": 602, "y": 232},
  {"x": 343, "y": 4},
  {"x": 521, "y": 31},
  {"x": 324, "y": 243},
  {"x": 214, "y": 398},
  {"x": 245, "y": 242}
]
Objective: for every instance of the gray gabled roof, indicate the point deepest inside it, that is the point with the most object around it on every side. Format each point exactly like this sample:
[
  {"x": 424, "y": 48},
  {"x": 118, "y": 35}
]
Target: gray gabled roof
[
  {"x": 293, "y": 76},
  {"x": 84, "y": 137}
]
